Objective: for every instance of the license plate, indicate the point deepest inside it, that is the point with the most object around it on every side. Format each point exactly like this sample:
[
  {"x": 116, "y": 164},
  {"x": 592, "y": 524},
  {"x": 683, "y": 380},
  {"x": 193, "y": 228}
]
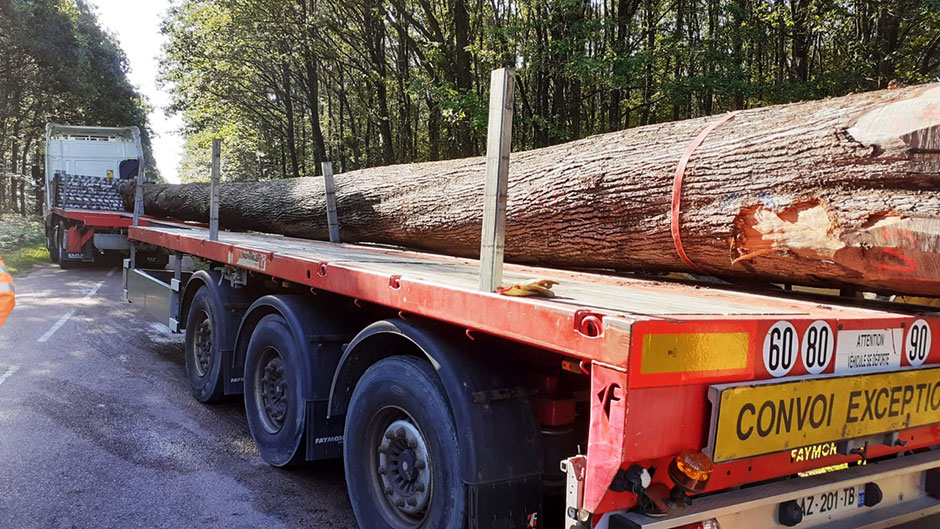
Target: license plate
[
  {"x": 773, "y": 416},
  {"x": 832, "y": 502}
]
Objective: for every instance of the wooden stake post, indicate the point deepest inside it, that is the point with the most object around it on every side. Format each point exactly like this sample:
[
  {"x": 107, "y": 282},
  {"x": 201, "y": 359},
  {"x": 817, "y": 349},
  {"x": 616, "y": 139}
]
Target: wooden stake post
[
  {"x": 139, "y": 193},
  {"x": 498, "y": 144},
  {"x": 138, "y": 198},
  {"x": 214, "y": 190},
  {"x": 330, "y": 187}
]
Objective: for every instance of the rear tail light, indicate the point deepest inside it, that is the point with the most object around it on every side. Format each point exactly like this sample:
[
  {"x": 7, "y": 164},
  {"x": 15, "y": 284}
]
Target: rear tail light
[{"x": 691, "y": 471}]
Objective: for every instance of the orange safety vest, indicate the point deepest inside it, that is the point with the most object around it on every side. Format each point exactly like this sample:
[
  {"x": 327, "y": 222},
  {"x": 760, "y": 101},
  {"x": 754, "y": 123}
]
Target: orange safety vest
[{"x": 7, "y": 300}]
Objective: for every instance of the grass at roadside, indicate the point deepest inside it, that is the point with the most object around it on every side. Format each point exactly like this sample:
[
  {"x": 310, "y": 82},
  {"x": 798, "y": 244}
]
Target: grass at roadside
[{"x": 22, "y": 243}]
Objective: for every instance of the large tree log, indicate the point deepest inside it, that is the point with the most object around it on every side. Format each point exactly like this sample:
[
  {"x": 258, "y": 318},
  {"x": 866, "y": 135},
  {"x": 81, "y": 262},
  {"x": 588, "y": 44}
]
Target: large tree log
[{"x": 837, "y": 192}]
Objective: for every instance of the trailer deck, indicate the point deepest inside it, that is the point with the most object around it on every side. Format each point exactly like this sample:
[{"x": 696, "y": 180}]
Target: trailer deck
[
  {"x": 101, "y": 219},
  {"x": 592, "y": 312}
]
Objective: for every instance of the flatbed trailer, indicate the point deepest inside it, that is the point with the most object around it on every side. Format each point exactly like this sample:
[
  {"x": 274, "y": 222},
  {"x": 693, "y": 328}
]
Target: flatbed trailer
[{"x": 620, "y": 403}]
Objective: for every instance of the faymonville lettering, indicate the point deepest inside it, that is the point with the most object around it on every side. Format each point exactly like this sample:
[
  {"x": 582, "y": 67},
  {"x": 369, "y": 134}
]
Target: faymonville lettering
[
  {"x": 809, "y": 453},
  {"x": 802, "y": 413}
]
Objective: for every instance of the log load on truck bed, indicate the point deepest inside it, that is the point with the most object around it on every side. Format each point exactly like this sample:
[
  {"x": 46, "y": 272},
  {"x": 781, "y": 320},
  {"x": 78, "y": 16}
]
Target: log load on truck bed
[
  {"x": 668, "y": 404},
  {"x": 837, "y": 192}
]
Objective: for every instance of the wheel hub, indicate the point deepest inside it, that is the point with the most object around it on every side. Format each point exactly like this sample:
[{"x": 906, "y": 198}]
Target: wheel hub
[
  {"x": 202, "y": 348},
  {"x": 404, "y": 470},
  {"x": 273, "y": 389}
]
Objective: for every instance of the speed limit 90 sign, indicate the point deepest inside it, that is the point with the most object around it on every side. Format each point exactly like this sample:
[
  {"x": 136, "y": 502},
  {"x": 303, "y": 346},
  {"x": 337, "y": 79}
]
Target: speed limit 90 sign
[{"x": 917, "y": 344}]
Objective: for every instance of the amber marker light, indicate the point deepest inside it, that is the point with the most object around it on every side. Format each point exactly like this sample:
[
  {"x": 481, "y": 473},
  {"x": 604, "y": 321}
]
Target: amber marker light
[{"x": 691, "y": 471}]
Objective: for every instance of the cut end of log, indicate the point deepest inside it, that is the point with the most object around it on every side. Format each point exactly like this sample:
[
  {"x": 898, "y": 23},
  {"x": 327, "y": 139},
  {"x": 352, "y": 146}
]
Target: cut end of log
[
  {"x": 911, "y": 124},
  {"x": 923, "y": 140},
  {"x": 804, "y": 228}
]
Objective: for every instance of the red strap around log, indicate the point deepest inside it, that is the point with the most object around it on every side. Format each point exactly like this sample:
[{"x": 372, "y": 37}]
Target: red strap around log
[{"x": 677, "y": 187}]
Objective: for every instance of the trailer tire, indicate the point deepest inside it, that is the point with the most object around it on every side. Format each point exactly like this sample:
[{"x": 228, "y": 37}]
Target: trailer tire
[
  {"x": 62, "y": 246},
  {"x": 401, "y": 451},
  {"x": 52, "y": 245},
  {"x": 202, "y": 350},
  {"x": 273, "y": 395}
]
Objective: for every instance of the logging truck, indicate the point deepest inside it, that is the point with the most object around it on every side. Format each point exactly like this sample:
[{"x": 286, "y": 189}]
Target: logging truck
[
  {"x": 621, "y": 402},
  {"x": 83, "y": 213}
]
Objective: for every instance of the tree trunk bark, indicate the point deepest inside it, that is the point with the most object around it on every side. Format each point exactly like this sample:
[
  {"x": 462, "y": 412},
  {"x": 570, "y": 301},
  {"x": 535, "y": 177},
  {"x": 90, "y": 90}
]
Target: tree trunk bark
[
  {"x": 839, "y": 192},
  {"x": 289, "y": 113}
]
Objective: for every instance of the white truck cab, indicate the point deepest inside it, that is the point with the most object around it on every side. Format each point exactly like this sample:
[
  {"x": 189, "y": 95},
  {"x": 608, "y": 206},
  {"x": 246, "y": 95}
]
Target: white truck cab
[
  {"x": 103, "y": 152},
  {"x": 83, "y": 209}
]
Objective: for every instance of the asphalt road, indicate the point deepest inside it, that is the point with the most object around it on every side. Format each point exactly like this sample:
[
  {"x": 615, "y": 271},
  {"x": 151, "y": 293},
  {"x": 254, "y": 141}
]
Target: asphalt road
[{"x": 97, "y": 428}]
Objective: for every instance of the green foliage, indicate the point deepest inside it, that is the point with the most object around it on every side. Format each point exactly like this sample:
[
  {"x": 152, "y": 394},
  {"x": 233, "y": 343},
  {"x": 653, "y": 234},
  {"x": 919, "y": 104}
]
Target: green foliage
[
  {"x": 56, "y": 64},
  {"x": 22, "y": 243},
  {"x": 398, "y": 81}
]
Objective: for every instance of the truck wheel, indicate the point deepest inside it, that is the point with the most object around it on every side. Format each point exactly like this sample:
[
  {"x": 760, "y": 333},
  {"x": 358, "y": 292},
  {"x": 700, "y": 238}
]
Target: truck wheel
[
  {"x": 400, "y": 448},
  {"x": 273, "y": 400},
  {"x": 62, "y": 235},
  {"x": 52, "y": 245},
  {"x": 203, "y": 357}
]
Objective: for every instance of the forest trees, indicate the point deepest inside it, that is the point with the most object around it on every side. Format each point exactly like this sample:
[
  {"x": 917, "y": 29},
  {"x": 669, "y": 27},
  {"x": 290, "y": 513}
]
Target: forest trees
[
  {"x": 291, "y": 83},
  {"x": 56, "y": 64}
]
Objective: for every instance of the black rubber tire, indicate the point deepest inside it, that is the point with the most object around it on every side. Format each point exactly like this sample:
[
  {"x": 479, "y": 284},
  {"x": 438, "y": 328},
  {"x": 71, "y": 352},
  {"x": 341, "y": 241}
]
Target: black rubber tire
[
  {"x": 409, "y": 385},
  {"x": 51, "y": 245},
  {"x": 64, "y": 262},
  {"x": 280, "y": 444},
  {"x": 204, "y": 375}
]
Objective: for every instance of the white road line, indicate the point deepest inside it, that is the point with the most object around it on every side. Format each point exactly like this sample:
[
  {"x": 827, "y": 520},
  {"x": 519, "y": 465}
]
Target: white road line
[
  {"x": 9, "y": 373},
  {"x": 58, "y": 325},
  {"x": 111, "y": 272},
  {"x": 67, "y": 316}
]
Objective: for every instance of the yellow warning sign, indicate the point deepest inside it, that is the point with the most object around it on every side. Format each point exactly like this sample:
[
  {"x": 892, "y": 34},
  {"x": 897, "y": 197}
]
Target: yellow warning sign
[{"x": 755, "y": 419}]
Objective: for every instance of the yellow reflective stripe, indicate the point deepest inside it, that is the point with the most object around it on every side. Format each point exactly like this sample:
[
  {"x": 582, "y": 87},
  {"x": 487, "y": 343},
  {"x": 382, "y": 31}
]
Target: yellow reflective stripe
[{"x": 694, "y": 352}]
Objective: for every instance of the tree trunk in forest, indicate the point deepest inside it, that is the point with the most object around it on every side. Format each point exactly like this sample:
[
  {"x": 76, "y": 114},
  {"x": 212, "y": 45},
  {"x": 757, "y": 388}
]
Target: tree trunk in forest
[
  {"x": 313, "y": 101},
  {"x": 889, "y": 27},
  {"x": 800, "y": 38},
  {"x": 313, "y": 89},
  {"x": 838, "y": 192},
  {"x": 375, "y": 39},
  {"x": 649, "y": 60},
  {"x": 289, "y": 113},
  {"x": 464, "y": 79}
]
